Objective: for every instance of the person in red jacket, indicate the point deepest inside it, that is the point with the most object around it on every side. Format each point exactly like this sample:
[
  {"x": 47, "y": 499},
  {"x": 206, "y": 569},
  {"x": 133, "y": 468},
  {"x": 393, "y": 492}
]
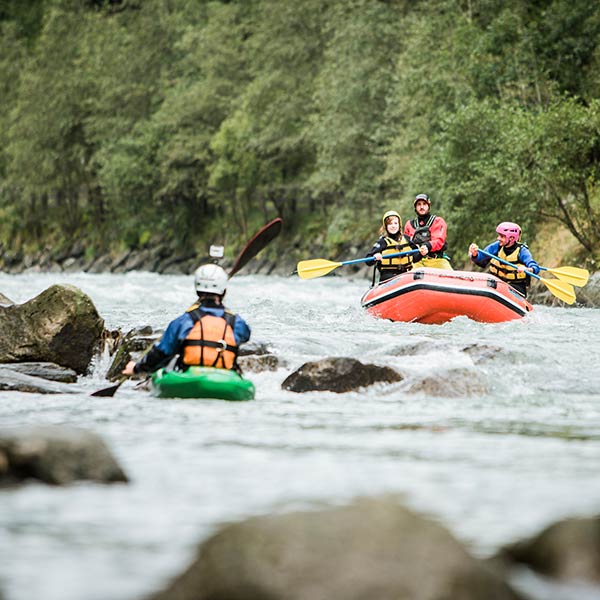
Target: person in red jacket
[{"x": 428, "y": 233}]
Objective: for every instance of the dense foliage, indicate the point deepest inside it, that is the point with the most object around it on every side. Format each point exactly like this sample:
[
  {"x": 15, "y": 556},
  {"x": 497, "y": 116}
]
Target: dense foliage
[{"x": 128, "y": 121}]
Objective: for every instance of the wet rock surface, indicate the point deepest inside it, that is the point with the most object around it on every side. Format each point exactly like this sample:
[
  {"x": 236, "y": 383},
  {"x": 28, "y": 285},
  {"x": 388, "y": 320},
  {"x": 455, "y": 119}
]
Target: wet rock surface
[
  {"x": 55, "y": 455},
  {"x": 568, "y": 549},
  {"x": 373, "y": 548},
  {"x": 338, "y": 374},
  {"x": 60, "y": 325}
]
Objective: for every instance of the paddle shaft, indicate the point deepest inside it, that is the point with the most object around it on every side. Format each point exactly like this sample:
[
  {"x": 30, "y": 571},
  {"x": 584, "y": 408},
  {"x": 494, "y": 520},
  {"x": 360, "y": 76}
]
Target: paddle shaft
[
  {"x": 393, "y": 255},
  {"x": 506, "y": 262},
  {"x": 317, "y": 267},
  {"x": 562, "y": 290}
]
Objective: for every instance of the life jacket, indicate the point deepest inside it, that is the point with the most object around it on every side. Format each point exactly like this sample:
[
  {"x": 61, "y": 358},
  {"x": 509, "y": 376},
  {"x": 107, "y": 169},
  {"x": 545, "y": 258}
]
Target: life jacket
[
  {"x": 398, "y": 264},
  {"x": 504, "y": 271},
  {"x": 422, "y": 234},
  {"x": 210, "y": 342}
]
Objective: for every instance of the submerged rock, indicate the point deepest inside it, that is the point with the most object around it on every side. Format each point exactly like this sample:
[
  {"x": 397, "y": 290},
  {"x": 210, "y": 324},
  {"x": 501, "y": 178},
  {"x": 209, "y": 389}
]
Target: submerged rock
[
  {"x": 454, "y": 383},
  {"x": 13, "y": 380},
  {"x": 55, "y": 455},
  {"x": 60, "y": 325},
  {"x": 45, "y": 370},
  {"x": 338, "y": 374},
  {"x": 569, "y": 549}
]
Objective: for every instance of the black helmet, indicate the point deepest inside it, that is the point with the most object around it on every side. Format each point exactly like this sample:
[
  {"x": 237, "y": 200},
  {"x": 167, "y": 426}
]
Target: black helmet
[{"x": 422, "y": 197}]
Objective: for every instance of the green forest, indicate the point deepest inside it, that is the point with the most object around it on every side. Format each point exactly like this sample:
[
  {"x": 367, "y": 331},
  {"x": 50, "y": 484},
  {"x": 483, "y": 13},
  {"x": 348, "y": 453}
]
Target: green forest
[{"x": 128, "y": 122}]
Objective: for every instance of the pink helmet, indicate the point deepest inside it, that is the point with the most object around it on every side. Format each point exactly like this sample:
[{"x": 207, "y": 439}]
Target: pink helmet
[{"x": 511, "y": 231}]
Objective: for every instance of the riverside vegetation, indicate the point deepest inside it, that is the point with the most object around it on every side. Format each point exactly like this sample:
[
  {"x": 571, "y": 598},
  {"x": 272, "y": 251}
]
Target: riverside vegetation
[{"x": 138, "y": 126}]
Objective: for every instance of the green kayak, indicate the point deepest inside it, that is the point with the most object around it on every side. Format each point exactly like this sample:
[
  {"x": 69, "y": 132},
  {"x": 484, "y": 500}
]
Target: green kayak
[{"x": 202, "y": 382}]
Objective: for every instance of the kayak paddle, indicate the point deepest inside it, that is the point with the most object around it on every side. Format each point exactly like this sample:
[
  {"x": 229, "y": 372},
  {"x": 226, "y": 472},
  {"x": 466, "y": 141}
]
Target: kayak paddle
[
  {"x": 561, "y": 289},
  {"x": 109, "y": 392},
  {"x": 317, "y": 267},
  {"x": 258, "y": 241}
]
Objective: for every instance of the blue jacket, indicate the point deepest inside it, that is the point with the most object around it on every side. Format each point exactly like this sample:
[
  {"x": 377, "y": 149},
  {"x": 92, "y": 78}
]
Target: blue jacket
[
  {"x": 177, "y": 331},
  {"x": 525, "y": 257}
]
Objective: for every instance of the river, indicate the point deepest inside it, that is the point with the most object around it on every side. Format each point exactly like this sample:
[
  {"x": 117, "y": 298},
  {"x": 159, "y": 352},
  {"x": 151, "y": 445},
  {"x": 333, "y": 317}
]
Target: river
[{"x": 492, "y": 468}]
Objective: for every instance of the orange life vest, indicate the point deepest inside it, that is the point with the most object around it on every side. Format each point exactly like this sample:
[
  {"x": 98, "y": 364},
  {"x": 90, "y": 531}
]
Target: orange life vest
[{"x": 210, "y": 342}]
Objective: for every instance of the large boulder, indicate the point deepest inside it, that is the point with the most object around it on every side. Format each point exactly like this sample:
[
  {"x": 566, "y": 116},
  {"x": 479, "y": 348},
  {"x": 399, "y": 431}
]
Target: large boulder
[
  {"x": 374, "y": 548},
  {"x": 60, "y": 325},
  {"x": 338, "y": 374},
  {"x": 56, "y": 455}
]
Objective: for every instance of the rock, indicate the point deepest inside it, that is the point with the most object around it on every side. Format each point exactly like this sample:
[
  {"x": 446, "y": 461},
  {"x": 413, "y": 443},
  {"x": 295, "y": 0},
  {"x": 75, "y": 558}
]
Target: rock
[
  {"x": 259, "y": 363},
  {"x": 130, "y": 346},
  {"x": 56, "y": 455},
  {"x": 482, "y": 353},
  {"x": 569, "y": 549},
  {"x": 12, "y": 380},
  {"x": 61, "y": 325},
  {"x": 100, "y": 264},
  {"x": 416, "y": 348},
  {"x": 4, "y": 301},
  {"x": 254, "y": 347},
  {"x": 338, "y": 374},
  {"x": 455, "y": 383},
  {"x": 45, "y": 370},
  {"x": 589, "y": 295},
  {"x": 374, "y": 549}
]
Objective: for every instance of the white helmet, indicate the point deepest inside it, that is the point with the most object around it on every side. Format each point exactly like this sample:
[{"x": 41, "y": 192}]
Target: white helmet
[{"x": 211, "y": 279}]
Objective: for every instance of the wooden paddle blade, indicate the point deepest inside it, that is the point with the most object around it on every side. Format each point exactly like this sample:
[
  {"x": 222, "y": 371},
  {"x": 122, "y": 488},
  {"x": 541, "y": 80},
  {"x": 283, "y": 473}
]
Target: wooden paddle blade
[
  {"x": 108, "y": 392},
  {"x": 260, "y": 239},
  {"x": 561, "y": 289},
  {"x": 317, "y": 267},
  {"x": 573, "y": 275}
]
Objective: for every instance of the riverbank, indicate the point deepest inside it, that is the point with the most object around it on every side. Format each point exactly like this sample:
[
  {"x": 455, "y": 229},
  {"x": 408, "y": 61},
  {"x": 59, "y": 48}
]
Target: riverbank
[{"x": 163, "y": 259}]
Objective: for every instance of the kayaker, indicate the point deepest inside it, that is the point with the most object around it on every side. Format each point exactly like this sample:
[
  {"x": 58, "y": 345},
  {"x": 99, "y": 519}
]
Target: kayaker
[
  {"x": 428, "y": 233},
  {"x": 508, "y": 248},
  {"x": 207, "y": 334},
  {"x": 391, "y": 241}
]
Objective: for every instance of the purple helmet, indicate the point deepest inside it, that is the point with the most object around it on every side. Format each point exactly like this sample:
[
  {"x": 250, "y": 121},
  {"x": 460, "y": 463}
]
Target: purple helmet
[{"x": 511, "y": 231}]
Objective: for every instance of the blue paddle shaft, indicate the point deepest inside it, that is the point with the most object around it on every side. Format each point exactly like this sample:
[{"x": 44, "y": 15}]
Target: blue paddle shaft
[
  {"x": 507, "y": 263},
  {"x": 394, "y": 255}
]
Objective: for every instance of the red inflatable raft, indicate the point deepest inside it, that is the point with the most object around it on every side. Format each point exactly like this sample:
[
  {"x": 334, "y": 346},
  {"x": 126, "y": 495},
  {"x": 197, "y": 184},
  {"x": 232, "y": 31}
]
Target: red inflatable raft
[{"x": 435, "y": 296}]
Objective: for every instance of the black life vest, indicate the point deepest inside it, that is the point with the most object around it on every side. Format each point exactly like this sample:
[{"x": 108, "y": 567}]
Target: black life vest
[{"x": 422, "y": 234}]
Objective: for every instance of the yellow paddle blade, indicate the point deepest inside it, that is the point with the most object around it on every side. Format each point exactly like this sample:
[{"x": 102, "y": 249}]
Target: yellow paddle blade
[
  {"x": 561, "y": 289},
  {"x": 573, "y": 275},
  {"x": 317, "y": 267}
]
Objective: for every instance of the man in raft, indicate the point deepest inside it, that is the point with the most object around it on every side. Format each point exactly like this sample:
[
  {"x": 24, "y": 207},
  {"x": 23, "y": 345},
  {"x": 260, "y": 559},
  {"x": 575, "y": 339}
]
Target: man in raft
[
  {"x": 507, "y": 247},
  {"x": 428, "y": 233},
  {"x": 207, "y": 334}
]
